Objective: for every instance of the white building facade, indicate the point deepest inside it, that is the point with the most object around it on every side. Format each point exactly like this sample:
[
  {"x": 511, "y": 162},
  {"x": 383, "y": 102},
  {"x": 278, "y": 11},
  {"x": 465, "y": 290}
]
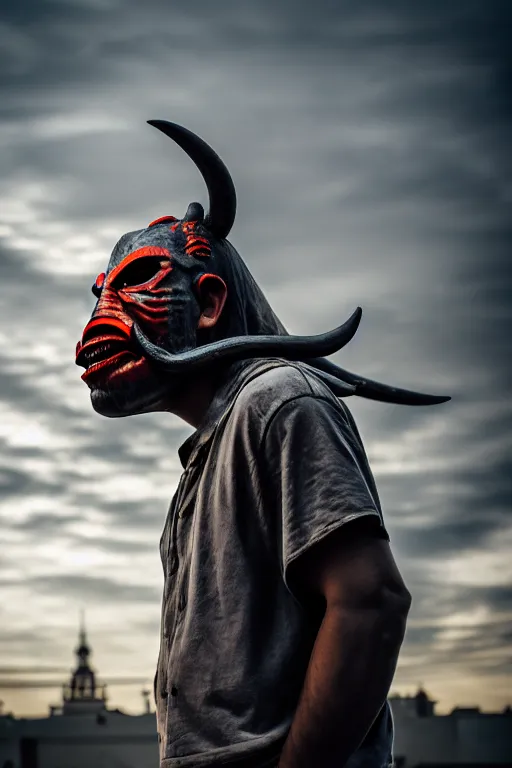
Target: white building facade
[
  {"x": 464, "y": 738},
  {"x": 83, "y": 733}
]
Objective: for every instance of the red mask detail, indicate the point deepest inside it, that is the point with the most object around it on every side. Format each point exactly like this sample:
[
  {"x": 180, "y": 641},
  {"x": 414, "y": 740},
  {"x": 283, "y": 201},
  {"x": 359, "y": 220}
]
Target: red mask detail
[
  {"x": 120, "y": 303},
  {"x": 204, "y": 276},
  {"x": 161, "y": 220},
  {"x": 195, "y": 245},
  {"x": 100, "y": 280}
]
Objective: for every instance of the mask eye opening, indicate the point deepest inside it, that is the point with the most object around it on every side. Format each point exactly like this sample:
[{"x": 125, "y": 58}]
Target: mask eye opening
[{"x": 138, "y": 272}]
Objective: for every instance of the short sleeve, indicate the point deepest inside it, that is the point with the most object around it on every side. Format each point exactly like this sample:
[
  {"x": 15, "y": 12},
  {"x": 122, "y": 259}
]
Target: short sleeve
[{"x": 318, "y": 474}]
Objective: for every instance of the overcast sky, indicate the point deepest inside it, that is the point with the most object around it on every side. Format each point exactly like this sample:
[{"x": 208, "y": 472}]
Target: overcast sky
[{"x": 368, "y": 144}]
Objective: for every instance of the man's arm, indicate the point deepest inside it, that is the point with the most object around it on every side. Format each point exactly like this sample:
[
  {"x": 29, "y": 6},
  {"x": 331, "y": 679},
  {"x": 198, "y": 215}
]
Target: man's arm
[{"x": 356, "y": 650}]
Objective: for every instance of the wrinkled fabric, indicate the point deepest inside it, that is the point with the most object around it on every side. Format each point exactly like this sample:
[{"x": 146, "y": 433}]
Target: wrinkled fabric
[{"x": 276, "y": 465}]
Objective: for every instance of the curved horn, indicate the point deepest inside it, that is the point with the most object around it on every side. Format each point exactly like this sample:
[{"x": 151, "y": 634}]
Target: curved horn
[
  {"x": 374, "y": 390},
  {"x": 337, "y": 386},
  {"x": 288, "y": 347},
  {"x": 195, "y": 212},
  {"x": 221, "y": 189}
]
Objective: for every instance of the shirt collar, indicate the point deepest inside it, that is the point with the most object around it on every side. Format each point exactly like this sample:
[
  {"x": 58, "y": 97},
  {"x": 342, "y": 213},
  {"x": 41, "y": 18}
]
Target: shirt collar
[{"x": 231, "y": 383}]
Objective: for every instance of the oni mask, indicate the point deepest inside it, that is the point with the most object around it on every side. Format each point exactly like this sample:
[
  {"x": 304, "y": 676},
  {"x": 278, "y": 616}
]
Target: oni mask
[{"x": 142, "y": 345}]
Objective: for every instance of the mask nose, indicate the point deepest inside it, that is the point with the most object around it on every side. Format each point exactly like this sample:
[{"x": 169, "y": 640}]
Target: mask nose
[
  {"x": 109, "y": 305},
  {"x": 108, "y": 319},
  {"x": 101, "y": 330},
  {"x": 105, "y": 325}
]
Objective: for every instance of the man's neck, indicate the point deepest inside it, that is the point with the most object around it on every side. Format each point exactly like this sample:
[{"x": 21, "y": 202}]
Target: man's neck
[{"x": 195, "y": 400}]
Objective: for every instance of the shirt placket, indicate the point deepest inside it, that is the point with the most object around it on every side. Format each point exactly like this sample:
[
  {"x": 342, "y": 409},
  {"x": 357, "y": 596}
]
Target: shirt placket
[
  {"x": 172, "y": 555},
  {"x": 169, "y": 537},
  {"x": 172, "y": 551},
  {"x": 179, "y": 549}
]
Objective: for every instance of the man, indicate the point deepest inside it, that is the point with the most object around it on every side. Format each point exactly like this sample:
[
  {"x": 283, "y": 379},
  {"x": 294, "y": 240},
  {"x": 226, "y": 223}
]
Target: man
[{"x": 283, "y": 610}]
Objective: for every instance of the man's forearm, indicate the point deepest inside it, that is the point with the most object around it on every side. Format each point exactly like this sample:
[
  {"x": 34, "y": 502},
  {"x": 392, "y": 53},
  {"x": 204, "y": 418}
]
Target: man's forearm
[{"x": 347, "y": 682}]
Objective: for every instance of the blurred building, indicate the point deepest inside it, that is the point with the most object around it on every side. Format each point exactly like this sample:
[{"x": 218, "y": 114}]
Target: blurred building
[
  {"x": 82, "y": 732},
  {"x": 466, "y": 737}
]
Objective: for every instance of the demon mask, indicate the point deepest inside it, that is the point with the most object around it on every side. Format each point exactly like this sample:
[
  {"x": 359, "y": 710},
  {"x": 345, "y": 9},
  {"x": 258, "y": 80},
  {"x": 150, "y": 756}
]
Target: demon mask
[{"x": 142, "y": 344}]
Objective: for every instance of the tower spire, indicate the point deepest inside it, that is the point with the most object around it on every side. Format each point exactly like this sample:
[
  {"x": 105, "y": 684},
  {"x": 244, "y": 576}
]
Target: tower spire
[
  {"x": 81, "y": 691},
  {"x": 83, "y": 651}
]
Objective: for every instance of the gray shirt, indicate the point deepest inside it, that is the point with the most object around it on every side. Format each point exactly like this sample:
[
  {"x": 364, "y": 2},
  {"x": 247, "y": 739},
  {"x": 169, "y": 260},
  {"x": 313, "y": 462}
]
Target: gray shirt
[{"x": 276, "y": 465}]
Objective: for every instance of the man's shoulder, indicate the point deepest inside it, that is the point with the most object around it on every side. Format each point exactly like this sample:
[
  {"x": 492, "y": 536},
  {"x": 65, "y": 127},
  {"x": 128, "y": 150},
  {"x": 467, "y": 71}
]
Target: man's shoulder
[{"x": 270, "y": 388}]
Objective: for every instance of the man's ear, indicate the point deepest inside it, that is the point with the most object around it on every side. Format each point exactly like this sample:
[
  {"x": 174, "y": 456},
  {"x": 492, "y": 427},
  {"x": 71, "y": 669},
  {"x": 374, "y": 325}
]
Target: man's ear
[{"x": 211, "y": 294}]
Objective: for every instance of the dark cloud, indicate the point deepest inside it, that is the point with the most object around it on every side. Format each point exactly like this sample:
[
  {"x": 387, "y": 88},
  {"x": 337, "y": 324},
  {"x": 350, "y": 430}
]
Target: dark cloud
[
  {"x": 479, "y": 648},
  {"x": 145, "y": 515},
  {"x": 118, "y": 545},
  {"x": 14, "y": 482},
  {"x": 94, "y": 588},
  {"x": 31, "y": 670},
  {"x": 45, "y": 524}
]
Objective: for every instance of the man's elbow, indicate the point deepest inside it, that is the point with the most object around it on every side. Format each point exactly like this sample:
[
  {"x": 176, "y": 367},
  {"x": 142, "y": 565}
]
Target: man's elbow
[
  {"x": 397, "y": 598},
  {"x": 395, "y": 604},
  {"x": 379, "y": 602},
  {"x": 387, "y": 606}
]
